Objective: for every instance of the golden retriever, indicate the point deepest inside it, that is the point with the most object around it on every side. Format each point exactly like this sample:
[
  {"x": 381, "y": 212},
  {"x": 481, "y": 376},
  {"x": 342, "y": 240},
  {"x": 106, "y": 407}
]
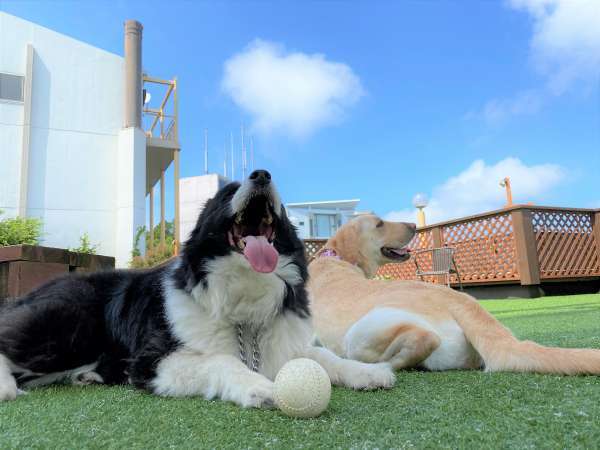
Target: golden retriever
[{"x": 411, "y": 323}]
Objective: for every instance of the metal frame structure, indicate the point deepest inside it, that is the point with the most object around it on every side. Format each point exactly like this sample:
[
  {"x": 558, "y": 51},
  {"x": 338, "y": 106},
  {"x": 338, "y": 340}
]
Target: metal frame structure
[{"x": 162, "y": 149}]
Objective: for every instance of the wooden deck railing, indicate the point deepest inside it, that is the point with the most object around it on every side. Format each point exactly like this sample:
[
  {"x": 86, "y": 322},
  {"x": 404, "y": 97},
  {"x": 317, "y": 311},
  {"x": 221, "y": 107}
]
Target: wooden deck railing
[{"x": 522, "y": 244}]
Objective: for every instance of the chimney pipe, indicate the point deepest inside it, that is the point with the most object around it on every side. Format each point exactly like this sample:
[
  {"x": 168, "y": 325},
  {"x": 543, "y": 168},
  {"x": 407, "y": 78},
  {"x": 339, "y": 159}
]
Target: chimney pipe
[{"x": 133, "y": 74}]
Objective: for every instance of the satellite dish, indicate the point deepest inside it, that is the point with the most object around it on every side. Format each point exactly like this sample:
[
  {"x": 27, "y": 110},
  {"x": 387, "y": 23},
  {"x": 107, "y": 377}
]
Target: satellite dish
[{"x": 147, "y": 97}]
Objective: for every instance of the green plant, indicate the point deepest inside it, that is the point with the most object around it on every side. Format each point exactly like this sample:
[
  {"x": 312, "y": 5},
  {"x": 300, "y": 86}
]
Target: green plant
[
  {"x": 85, "y": 246},
  {"x": 156, "y": 252},
  {"x": 152, "y": 258},
  {"x": 20, "y": 230},
  {"x": 135, "y": 252}
]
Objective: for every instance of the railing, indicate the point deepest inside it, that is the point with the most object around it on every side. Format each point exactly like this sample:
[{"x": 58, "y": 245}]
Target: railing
[
  {"x": 160, "y": 123},
  {"x": 521, "y": 244}
]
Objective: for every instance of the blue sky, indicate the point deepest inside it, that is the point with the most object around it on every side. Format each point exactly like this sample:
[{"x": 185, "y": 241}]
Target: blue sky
[{"x": 377, "y": 100}]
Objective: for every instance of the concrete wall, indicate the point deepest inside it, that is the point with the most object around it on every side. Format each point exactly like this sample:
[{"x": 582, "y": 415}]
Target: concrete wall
[
  {"x": 131, "y": 193},
  {"x": 11, "y": 135},
  {"x": 194, "y": 193},
  {"x": 76, "y": 116}
]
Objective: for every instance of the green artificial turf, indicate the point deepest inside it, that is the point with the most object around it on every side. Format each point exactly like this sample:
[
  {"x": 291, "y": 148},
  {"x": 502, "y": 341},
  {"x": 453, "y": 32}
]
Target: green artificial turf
[{"x": 455, "y": 409}]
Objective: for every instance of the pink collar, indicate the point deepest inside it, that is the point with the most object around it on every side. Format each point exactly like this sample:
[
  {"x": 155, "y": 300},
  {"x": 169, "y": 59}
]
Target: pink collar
[{"x": 330, "y": 252}]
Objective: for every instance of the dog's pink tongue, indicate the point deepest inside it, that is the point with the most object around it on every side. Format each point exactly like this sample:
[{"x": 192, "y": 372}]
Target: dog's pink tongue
[{"x": 261, "y": 255}]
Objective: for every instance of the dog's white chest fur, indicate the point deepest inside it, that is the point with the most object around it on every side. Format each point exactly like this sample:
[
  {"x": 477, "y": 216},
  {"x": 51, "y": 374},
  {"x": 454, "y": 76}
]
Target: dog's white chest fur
[{"x": 205, "y": 322}]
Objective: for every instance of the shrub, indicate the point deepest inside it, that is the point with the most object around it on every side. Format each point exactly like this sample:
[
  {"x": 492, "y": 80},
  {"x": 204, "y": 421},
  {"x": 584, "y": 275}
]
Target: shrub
[
  {"x": 85, "y": 246},
  {"x": 20, "y": 230},
  {"x": 153, "y": 258},
  {"x": 156, "y": 254}
]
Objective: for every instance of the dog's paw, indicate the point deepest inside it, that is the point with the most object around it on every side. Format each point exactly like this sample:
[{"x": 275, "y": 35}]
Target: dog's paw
[
  {"x": 372, "y": 376},
  {"x": 8, "y": 389},
  {"x": 259, "y": 394},
  {"x": 87, "y": 378}
]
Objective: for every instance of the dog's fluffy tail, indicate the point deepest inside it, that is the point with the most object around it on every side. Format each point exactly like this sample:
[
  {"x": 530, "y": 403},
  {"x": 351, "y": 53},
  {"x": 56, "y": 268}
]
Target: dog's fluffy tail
[{"x": 501, "y": 351}]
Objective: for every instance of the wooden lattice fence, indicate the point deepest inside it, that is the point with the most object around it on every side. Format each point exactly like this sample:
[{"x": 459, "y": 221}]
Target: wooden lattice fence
[
  {"x": 566, "y": 245},
  {"x": 521, "y": 244}
]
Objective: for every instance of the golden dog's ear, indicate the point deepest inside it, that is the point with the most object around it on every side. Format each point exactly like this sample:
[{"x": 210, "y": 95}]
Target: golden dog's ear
[{"x": 346, "y": 242}]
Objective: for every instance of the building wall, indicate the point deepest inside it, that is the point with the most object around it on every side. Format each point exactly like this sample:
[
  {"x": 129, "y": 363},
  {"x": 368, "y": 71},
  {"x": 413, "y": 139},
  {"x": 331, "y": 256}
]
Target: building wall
[
  {"x": 76, "y": 115},
  {"x": 194, "y": 193},
  {"x": 300, "y": 217},
  {"x": 11, "y": 135}
]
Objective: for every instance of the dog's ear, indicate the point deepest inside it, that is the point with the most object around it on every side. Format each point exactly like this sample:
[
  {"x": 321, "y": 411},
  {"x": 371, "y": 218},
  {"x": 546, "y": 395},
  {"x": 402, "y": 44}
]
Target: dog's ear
[{"x": 346, "y": 242}]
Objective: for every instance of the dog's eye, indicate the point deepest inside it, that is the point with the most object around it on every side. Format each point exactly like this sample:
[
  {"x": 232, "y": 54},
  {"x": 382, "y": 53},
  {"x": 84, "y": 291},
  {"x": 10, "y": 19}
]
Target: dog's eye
[{"x": 379, "y": 224}]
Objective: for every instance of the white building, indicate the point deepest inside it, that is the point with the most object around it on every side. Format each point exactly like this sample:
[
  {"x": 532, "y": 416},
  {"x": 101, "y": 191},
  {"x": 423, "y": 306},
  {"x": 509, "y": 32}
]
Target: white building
[
  {"x": 72, "y": 148},
  {"x": 320, "y": 220},
  {"x": 195, "y": 192}
]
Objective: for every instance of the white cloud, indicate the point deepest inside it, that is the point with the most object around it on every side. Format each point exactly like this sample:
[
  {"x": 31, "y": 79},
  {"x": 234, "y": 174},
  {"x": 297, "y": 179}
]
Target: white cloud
[
  {"x": 476, "y": 189},
  {"x": 564, "y": 48},
  {"x": 524, "y": 103},
  {"x": 289, "y": 92},
  {"x": 566, "y": 40}
]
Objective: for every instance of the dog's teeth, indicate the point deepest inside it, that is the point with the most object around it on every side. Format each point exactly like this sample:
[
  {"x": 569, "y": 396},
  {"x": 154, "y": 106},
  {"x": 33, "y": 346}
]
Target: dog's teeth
[
  {"x": 268, "y": 217},
  {"x": 241, "y": 244}
]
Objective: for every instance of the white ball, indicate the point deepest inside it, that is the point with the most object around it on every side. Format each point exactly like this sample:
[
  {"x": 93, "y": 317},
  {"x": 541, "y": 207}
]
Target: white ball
[{"x": 302, "y": 388}]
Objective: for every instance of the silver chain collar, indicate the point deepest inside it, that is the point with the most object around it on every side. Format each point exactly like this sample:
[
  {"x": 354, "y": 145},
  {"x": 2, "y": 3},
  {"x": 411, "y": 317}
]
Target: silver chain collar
[{"x": 255, "y": 363}]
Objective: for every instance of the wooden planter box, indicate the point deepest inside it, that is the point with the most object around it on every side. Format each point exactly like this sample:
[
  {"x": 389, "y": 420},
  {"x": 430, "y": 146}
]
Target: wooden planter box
[{"x": 25, "y": 267}]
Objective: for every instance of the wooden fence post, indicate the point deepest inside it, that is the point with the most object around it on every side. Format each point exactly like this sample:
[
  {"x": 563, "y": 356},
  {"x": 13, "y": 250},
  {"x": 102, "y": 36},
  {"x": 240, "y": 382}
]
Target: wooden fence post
[
  {"x": 436, "y": 237},
  {"x": 526, "y": 248},
  {"x": 437, "y": 240},
  {"x": 596, "y": 232}
]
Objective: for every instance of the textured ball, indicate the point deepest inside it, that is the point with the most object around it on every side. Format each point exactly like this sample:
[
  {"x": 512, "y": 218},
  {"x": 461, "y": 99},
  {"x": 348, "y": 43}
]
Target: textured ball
[{"x": 302, "y": 388}]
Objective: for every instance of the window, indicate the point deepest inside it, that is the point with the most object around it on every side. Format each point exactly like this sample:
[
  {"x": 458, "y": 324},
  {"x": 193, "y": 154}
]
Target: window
[
  {"x": 11, "y": 87},
  {"x": 324, "y": 225}
]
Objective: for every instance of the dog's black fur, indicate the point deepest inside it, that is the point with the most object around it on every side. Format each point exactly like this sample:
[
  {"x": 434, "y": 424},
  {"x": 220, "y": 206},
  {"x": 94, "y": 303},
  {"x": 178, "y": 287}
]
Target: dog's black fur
[{"x": 117, "y": 318}]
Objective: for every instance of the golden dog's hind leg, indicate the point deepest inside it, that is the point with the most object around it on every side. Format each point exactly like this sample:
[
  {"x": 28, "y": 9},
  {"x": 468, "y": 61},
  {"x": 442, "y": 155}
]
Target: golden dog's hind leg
[
  {"x": 402, "y": 344},
  {"x": 409, "y": 346}
]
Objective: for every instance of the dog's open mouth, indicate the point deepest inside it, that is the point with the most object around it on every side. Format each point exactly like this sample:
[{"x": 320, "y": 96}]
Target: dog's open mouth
[
  {"x": 397, "y": 254},
  {"x": 252, "y": 234}
]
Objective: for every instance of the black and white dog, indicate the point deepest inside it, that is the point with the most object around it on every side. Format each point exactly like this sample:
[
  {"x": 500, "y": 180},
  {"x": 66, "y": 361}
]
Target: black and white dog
[{"x": 218, "y": 322}]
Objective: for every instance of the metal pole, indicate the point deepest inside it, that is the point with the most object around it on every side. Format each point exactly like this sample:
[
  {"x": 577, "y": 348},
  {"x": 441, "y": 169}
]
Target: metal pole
[
  {"x": 252, "y": 153},
  {"x": 225, "y": 161},
  {"x": 420, "y": 217},
  {"x": 162, "y": 209},
  {"x": 243, "y": 155},
  {"x": 232, "y": 163},
  {"x": 206, "y": 150},
  {"x": 176, "y": 219},
  {"x": 151, "y": 243}
]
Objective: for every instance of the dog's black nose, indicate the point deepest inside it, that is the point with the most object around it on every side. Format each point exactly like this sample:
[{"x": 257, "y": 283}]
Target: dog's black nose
[{"x": 261, "y": 177}]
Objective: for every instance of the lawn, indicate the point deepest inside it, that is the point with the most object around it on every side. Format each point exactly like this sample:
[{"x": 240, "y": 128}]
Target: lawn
[{"x": 425, "y": 410}]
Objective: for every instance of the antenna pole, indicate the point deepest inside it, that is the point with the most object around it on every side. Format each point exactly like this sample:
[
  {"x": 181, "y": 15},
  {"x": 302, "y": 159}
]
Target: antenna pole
[
  {"x": 206, "y": 150},
  {"x": 232, "y": 162},
  {"x": 252, "y": 152},
  {"x": 243, "y": 155},
  {"x": 225, "y": 161}
]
